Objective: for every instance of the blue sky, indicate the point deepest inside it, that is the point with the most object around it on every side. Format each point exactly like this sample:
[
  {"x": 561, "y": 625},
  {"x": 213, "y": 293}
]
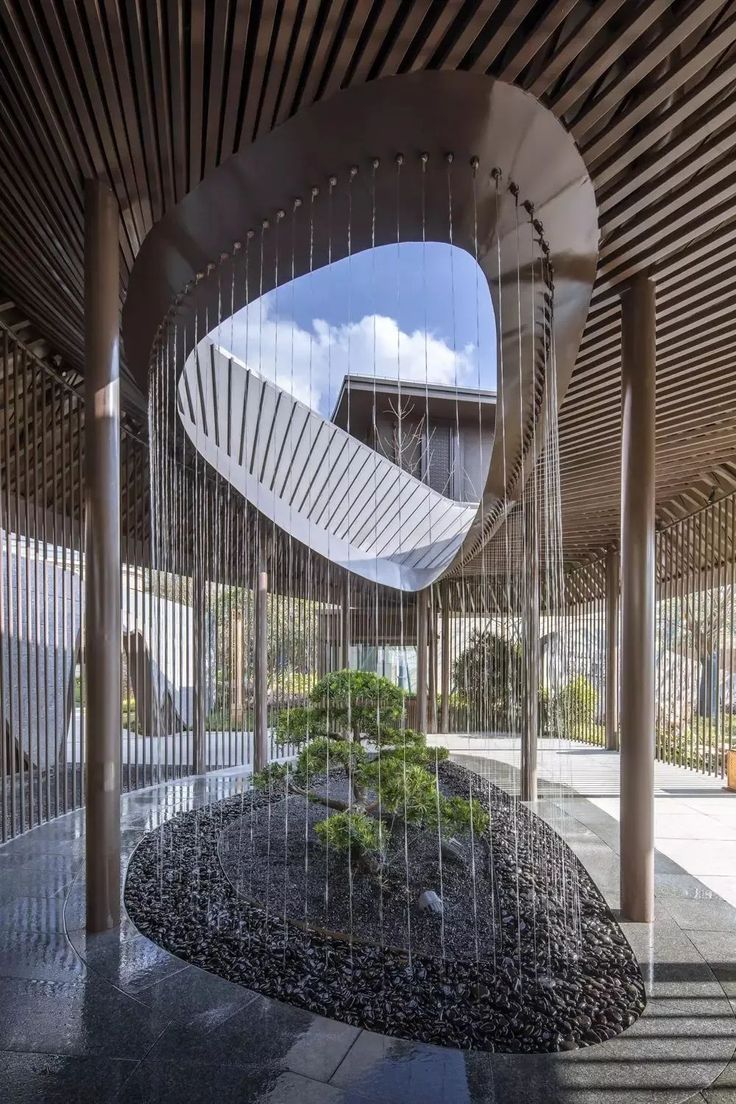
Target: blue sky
[{"x": 419, "y": 312}]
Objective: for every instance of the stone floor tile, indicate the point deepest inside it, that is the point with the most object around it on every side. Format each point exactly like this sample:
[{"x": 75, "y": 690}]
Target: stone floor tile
[
  {"x": 61, "y": 1079},
  {"x": 394, "y": 1071},
  {"x": 598, "y": 1076},
  {"x": 605, "y": 869},
  {"x": 46, "y": 956},
  {"x": 125, "y": 958},
  {"x": 703, "y": 915},
  {"x": 674, "y": 806},
  {"x": 691, "y": 826},
  {"x": 668, "y": 862},
  {"x": 34, "y": 914},
  {"x": 187, "y": 1082},
  {"x": 320, "y": 1049},
  {"x": 43, "y": 876},
  {"x": 723, "y": 885},
  {"x": 267, "y": 1033},
  {"x": 718, "y": 857},
  {"x": 82, "y": 1016},
  {"x": 76, "y": 905},
  {"x": 683, "y": 885},
  {"x": 692, "y": 1027},
  {"x": 718, "y": 948},
  {"x": 726, "y": 817},
  {"x": 192, "y": 991},
  {"x": 723, "y": 1089},
  {"x": 61, "y": 835},
  {"x": 713, "y": 804},
  {"x": 292, "y": 1088}
]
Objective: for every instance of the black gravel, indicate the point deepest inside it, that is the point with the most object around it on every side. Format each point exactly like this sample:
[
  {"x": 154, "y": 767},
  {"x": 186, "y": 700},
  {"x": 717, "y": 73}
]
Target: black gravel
[
  {"x": 539, "y": 965},
  {"x": 274, "y": 858}
]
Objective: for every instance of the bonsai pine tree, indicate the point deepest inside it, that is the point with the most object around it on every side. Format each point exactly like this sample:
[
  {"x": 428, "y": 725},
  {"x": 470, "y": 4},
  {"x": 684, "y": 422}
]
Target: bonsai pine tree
[{"x": 354, "y": 722}]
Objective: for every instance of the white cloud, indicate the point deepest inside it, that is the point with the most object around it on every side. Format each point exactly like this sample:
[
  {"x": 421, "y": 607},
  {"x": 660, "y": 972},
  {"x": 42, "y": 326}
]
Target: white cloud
[{"x": 312, "y": 365}]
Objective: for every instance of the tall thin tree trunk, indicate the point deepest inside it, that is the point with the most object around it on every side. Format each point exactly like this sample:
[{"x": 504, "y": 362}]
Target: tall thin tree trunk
[{"x": 708, "y": 689}]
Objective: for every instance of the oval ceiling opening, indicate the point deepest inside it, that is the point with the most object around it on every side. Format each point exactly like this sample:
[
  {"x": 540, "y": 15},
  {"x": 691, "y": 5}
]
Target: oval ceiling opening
[{"x": 355, "y": 406}]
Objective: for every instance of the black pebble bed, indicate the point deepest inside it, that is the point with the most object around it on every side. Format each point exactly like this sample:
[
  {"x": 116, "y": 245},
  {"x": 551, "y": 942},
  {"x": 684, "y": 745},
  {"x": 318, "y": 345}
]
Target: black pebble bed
[{"x": 552, "y": 970}]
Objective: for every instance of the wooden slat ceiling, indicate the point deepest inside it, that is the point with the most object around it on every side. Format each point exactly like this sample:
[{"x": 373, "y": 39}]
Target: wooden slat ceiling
[{"x": 151, "y": 94}]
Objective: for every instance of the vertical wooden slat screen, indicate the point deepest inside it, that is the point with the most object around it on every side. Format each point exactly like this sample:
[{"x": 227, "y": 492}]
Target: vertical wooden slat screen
[
  {"x": 42, "y": 672},
  {"x": 696, "y": 636},
  {"x": 695, "y": 621}
]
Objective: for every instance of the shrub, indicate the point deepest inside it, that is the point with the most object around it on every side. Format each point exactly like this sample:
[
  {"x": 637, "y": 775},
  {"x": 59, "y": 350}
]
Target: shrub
[
  {"x": 351, "y": 831},
  {"x": 485, "y": 673},
  {"x": 574, "y": 707},
  {"x": 460, "y": 815},
  {"x": 272, "y": 773}
]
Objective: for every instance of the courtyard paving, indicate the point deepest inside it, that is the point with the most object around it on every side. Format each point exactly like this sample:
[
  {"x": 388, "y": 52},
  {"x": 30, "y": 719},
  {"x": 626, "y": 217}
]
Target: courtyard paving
[{"x": 115, "y": 1018}]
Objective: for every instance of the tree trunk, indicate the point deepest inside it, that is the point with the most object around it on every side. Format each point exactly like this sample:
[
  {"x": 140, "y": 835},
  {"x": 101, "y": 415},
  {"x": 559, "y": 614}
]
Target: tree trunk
[
  {"x": 358, "y": 791},
  {"x": 708, "y": 689}
]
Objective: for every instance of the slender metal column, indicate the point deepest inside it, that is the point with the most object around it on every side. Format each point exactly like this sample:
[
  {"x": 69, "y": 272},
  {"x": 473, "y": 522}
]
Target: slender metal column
[
  {"x": 422, "y": 660},
  {"x": 345, "y": 625},
  {"x": 238, "y": 665},
  {"x": 260, "y": 734},
  {"x": 612, "y": 588},
  {"x": 530, "y": 729},
  {"x": 432, "y": 664},
  {"x": 445, "y": 663},
  {"x": 199, "y": 649},
  {"x": 102, "y": 591},
  {"x": 638, "y": 371}
]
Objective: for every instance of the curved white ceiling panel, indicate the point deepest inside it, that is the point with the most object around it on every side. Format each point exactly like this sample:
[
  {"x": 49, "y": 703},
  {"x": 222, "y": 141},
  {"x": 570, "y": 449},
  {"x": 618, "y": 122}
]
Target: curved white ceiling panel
[{"x": 317, "y": 482}]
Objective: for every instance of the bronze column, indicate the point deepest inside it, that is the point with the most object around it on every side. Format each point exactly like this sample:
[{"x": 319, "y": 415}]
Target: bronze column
[
  {"x": 421, "y": 608},
  {"x": 612, "y": 587},
  {"x": 432, "y": 664},
  {"x": 102, "y": 586},
  {"x": 530, "y": 729},
  {"x": 445, "y": 662},
  {"x": 260, "y": 733},
  {"x": 199, "y": 657},
  {"x": 638, "y": 371},
  {"x": 239, "y": 665}
]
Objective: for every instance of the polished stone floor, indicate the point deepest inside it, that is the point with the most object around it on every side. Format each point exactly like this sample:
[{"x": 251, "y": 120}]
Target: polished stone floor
[
  {"x": 694, "y": 816},
  {"x": 115, "y": 1018}
]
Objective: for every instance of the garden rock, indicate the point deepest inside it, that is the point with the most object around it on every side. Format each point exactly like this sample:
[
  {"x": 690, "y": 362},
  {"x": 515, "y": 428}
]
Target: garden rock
[{"x": 430, "y": 902}]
